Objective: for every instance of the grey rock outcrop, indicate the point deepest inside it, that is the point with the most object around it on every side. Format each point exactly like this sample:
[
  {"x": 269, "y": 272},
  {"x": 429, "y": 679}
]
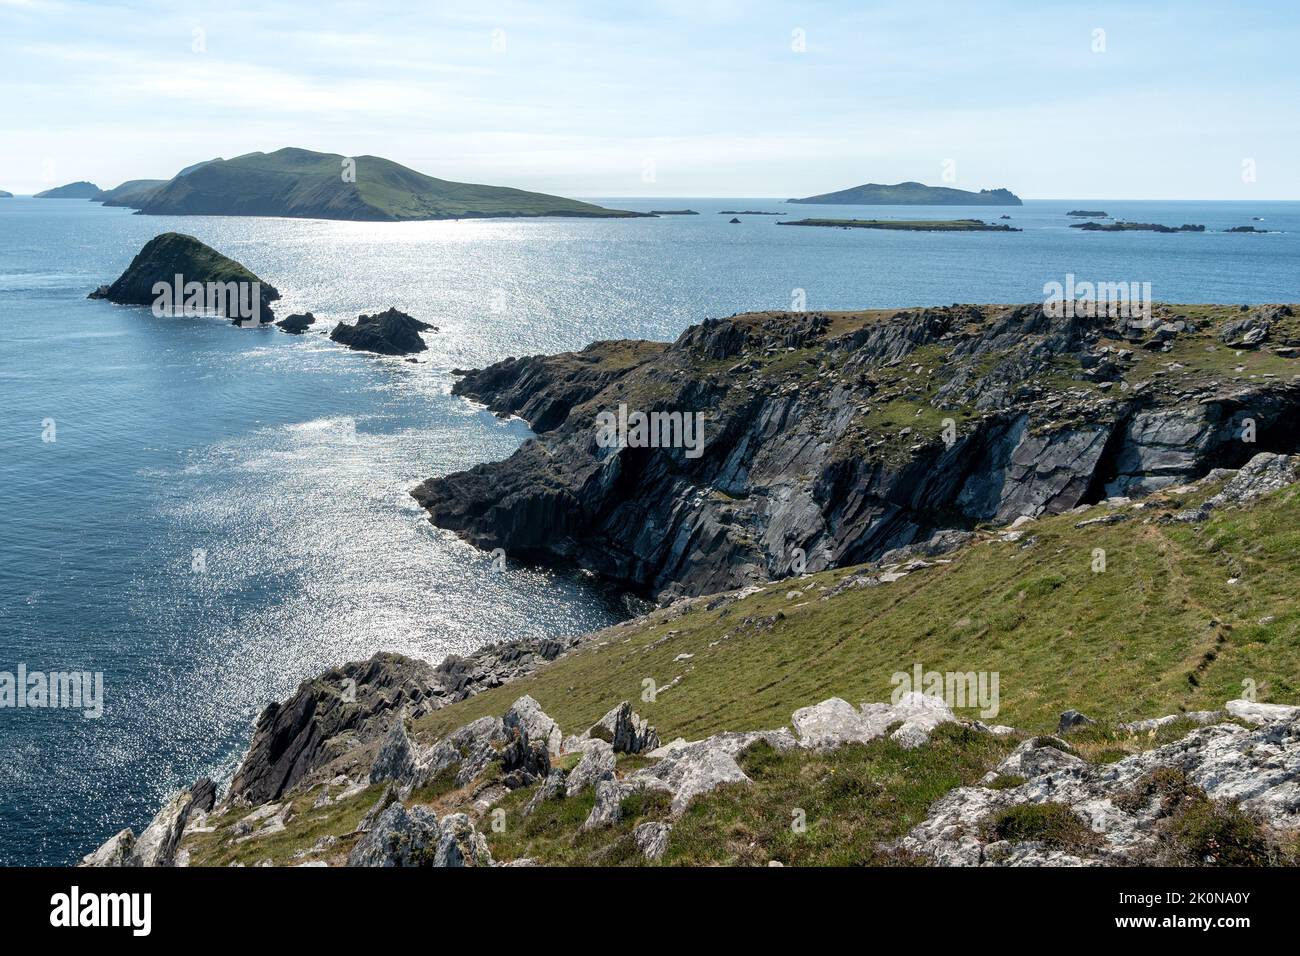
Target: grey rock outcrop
[
  {"x": 793, "y": 460},
  {"x": 396, "y": 759},
  {"x": 460, "y": 844},
  {"x": 539, "y": 727},
  {"x": 597, "y": 764},
  {"x": 835, "y": 722},
  {"x": 1257, "y": 713},
  {"x": 625, "y": 731},
  {"x": 399, "y": 838},
  {"x": 1072, "y": 719},
  {"x": 331, "y": 717},
  {"x": 117, "y": 850},
  {"x": 652, "y": 839},
  {"x": 1118, "y": 805}
]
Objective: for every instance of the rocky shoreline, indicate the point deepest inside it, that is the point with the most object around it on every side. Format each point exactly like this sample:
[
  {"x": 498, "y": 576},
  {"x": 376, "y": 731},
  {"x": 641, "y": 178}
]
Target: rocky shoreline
[
  {"x": 834, "y": 438},
  {"x": 813, "y": 454}
]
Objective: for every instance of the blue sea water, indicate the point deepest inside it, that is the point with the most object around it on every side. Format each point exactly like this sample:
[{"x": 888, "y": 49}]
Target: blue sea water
[{"x": 285, "y": 461}]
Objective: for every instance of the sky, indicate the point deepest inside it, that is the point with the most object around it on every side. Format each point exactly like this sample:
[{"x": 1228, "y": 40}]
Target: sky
[{"x": 1054, "y": 100}]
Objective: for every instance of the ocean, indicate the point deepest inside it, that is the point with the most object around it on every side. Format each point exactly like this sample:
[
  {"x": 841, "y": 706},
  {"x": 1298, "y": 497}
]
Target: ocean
[{"x": 208, "y": 515}]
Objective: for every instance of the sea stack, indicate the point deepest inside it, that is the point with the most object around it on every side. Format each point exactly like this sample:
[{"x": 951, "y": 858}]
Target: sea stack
[{"x": 173, "y": 258}]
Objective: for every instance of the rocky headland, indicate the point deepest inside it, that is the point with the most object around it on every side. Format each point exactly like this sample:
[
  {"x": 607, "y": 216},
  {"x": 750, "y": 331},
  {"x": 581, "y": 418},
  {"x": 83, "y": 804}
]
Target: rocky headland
[
  {"x": 78, "y": 190},
  {"x": 950, "y": 477},
  {"x": 832, "y": 438}
]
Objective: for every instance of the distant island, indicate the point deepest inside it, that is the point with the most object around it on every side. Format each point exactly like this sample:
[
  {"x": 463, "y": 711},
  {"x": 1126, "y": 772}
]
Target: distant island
[
  {"x": 129, "y": 191},
  {"x": 673, "y": 212},
  {"x": 80, "y": 190},
  {"x": 907, "y": 225},
  {"x": 913, "y": 194},
  {"x": 1134, "y": 227},
  {"x": 301, "y": 184},
  {"x": 5, "y": 195},
  {"x": 748, "y": 212},
  {"x": 1088, "y": 214}
]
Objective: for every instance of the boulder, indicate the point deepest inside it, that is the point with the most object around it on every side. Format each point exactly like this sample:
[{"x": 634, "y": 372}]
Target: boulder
[
  {"x": 528, "y": 714},
  {"x": 1257, "y": 713},
  {"x": 597, "y": 764},
  {"x": 1072, "y": 719},
  {"x": 384, "y": 333},
  {"x": 830, "y": 724},
  {"x": 625, "y": 731},
  {"x": 117, "y": 850},
  {"x": 690, "y": 771},
  {"x": 652, "y": 839},
  {"x": 399, "y": 837},
  {"x": 460, "y": 844},
  {"x": 1264, "y": 473}
]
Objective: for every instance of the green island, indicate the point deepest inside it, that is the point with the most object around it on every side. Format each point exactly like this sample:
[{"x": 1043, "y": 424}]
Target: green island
[
  {"x": 300, "y": 183},
  {"x": 912, "y": 194}
]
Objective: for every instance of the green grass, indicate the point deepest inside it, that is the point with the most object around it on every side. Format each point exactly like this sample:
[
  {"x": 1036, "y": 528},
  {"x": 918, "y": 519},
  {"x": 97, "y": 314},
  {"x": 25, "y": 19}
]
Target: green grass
[
  {"x": 301, "y": 183},
  {"x": 803, "y": 809},
  {"x": 1160, "y": 630},
  {"x": 1053, "y": 824}
]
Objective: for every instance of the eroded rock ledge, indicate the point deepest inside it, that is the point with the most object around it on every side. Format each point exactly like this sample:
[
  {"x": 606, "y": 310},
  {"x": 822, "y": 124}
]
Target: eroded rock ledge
[{"x": 833, "y": 438}]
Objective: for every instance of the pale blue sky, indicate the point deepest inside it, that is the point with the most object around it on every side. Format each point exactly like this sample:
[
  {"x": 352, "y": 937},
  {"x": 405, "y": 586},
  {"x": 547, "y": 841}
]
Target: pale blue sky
[{"x": 579, "y": 98}]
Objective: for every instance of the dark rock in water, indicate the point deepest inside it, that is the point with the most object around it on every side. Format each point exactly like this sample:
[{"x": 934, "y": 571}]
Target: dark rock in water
[
  {"x": 733, "y": 219},
  {"x": 297, "y": 323},
  {"x": 1135, "y": 227},
  {"x": 1088, "y": 214},
  {"x": 229, "y": 288},
  {"x": 1071, "y": 719},
  {"x": 385, "y": 333}
]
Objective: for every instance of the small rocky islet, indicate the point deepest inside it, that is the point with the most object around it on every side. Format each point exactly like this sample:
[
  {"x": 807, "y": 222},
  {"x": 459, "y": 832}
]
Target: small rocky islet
[{"x": 171, "y": 255}]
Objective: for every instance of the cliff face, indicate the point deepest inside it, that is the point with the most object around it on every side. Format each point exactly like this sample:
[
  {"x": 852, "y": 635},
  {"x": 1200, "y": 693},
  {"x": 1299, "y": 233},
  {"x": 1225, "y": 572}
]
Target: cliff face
[{"x": 830, "y": 439}]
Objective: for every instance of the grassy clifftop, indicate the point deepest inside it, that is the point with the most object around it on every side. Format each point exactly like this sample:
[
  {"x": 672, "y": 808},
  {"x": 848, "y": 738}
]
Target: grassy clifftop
[{"x": 1181, "y": 615}]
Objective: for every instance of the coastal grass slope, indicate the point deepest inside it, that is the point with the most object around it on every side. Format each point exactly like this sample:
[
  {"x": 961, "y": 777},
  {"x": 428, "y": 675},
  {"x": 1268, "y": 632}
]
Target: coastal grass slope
[{"x": 1181, "y": 616}]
